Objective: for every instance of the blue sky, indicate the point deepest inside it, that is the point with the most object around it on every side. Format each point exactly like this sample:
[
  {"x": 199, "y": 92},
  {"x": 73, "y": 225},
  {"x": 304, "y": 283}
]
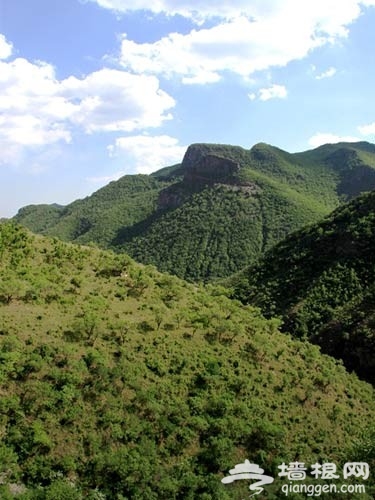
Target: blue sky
[{"x": 93, "y": 89}]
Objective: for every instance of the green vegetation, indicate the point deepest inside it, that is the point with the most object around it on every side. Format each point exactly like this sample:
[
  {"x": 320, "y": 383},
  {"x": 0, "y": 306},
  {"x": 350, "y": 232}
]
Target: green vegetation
[
  {"x": 39, "y": 218},
  {"x": 216, "y": 212},
  {"x": 97, "y": 217},
  {"x": 118, "y": 382},
  {"x": 207, "y": 236},
  {"x": 320, "y": 281}
]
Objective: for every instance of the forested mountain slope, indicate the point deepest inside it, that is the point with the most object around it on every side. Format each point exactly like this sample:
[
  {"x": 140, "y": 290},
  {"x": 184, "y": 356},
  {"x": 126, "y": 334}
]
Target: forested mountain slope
[
  {"x": 217, "y": 211},
  {"x": 321, "y": 281},
  {"x": 120, "y": 382}
]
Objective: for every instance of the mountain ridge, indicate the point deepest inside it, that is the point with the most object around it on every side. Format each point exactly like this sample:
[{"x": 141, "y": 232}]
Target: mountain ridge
[{"x": 275, "y": 191}]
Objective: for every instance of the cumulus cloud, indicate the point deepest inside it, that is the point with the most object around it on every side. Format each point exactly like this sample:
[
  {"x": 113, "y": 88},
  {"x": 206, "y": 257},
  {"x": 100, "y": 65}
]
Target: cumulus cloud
[
  {"x": 149, "y": 153},
  {"x": 267, "y": 93},
  {"x": 327, "y": 138},
  {"x": 37, "y": 109},
  {"x": 240, "y": 46},
  {"x": 367, "y": 129},
  {"x": 273, "y": 92},
  {"x": 246, "y": 37},
  {"x": 111, "y": 100},
  {"x": 29, "y": 108},
  {"x": 6, "y": 48},
  {"x": 326, "y": 74}
]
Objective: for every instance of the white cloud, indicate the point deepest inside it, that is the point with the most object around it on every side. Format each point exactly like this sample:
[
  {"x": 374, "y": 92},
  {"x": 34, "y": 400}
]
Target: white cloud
[
  {"x": 149, "y": 153},
  {"x": 110, "y": 100},
  {"x": 37, "y": 109},
  {"x": 273, "y": 92},
  {"x": 326, "y": 74},
  {"x": 249, "y": 36},
  {"x": 6, "y": 48},
  {"x": 326, "y": 138},
  {"x": 28, "y": 108},
  {"x": 331, "y": 15},
  {"x": 197, "y": 10},
  {"x": 367, "y": 129},
  {"x": 267, "y": 93},
  {"x": 29, "y": 130},
  {"x": 240, "y": 46}
]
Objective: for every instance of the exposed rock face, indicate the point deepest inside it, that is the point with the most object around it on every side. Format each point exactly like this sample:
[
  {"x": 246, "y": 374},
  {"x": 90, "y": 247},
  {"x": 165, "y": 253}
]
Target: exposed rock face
[
  {"x": 202, "y": 168},
  {"x": 193, "y": 154},
  {"x": 211, "y": 169},
  {"x": 196, "y": 152},
  {"x": 207, "y": 171}
]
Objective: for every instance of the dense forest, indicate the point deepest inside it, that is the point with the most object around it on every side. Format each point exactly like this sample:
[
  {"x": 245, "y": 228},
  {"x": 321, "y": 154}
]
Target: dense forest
[
  {"x": 321, "y": 282},
  {"x": 217, "y": 211},
  {"x": 119, "y": 382}
]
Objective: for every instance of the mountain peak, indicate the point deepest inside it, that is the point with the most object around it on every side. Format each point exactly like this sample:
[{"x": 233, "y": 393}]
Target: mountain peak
[
  {"x": 195, "y": 152},
  {"x": 211, "y": 168},
  {"x": 214, "y": 213}
]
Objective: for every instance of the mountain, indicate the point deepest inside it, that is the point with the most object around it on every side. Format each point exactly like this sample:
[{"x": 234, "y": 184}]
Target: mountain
[
  {"x": 321, "y": 281},
  {"x": 121, "y": 382},
  {"x": 217, "y": 211}
]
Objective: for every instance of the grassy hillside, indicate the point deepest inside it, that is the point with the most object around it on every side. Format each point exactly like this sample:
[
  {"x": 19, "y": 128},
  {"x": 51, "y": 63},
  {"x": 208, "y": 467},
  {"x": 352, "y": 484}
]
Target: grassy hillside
[
  {"x": 217, "y": 211},
  {"x": 321, "y": 281},
  {"x": 120, "y": 382},
  {"x": 97, "y": 217}
]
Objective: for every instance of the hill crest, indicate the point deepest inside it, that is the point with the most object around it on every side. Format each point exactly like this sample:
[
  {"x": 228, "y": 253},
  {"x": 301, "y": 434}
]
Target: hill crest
[{"x": 218, "y": 210}]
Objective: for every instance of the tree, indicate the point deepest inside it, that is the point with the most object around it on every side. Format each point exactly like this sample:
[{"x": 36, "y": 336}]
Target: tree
[{"x": 11, "y": 287}]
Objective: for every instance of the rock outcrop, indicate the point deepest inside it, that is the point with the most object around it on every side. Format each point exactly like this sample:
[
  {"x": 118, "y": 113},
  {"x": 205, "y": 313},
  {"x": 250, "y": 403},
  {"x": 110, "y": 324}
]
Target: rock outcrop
[{"x": 211, "y": 169}]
